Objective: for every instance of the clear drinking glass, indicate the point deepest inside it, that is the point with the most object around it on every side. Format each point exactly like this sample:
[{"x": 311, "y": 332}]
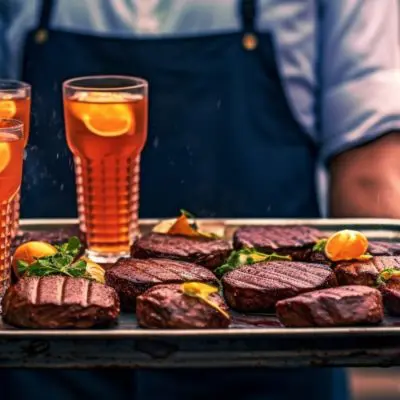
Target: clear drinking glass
[
  {"x": 15, "y": 103},
  {"x": 11, "y": 156},
  {"x": 106, "y": 127}
]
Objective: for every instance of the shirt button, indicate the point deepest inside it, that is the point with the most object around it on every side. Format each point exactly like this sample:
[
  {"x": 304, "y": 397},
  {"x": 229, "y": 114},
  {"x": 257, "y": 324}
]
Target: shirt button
[{"x": 249, "y": 41}]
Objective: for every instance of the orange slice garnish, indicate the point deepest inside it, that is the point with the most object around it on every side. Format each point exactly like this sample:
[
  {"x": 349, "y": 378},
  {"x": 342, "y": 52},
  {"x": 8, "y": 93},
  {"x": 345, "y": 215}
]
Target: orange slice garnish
[
  {"x": 347, "y": 245},
  {"x": 5, "y": 156},
  {"x": 105, "y": 114},
  {"x": 30, "y": 251},
  {"x": 8, "y": 108}
]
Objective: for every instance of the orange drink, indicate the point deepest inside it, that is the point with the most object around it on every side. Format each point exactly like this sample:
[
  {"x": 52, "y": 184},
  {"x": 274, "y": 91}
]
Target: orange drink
[
  {"x": 106, "y": 127},
  {"x": 11, "y": 156},
  {"x": 15, "y": 103}
]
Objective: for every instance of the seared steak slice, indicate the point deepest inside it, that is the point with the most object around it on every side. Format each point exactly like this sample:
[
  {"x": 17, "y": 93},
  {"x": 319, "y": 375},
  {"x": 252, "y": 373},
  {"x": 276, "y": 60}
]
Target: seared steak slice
[
  {"x": 259, "y": 286},
  {"x": 340, "y": 306},
  {"x": 364, "y": 272},
  {"x": 391, "y": 296},
  {"x": 55, "y": 236},
  {"x": 131, "y": 277},
  {"x": 167, "y": 307},
  {"x": 378, "y": 248},
  {"x": 296, "y": 241},
  {"x": 210, "y": 253},
  {"x": 59, "y": 302}
]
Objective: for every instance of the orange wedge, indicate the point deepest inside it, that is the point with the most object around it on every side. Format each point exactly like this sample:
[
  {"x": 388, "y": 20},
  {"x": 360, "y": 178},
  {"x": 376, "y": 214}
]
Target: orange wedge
[
  {"x": 105, "y": 114},
  {"x": 30, "y": 251},
  {"x": 347, "y": 245},
  {"x": 182, "y": 227},
  {"x": 8, "y": 109},
  {"x": 94, "y": 270},
  {"x": 5, "y": 156}
]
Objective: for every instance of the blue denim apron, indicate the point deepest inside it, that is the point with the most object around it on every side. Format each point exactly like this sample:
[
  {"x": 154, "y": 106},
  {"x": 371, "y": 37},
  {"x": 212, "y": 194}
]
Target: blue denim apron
[{"x": 222, "y": 142}]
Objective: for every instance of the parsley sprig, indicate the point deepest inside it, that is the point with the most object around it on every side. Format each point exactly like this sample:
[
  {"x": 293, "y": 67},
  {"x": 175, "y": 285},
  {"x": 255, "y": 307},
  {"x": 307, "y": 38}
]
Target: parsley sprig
[
  {"x": 61, "y": 263},
  {"x": 247, "y": 257},
  {"x": 320, "y": 245},
  {"x": 387, "y": 274}
]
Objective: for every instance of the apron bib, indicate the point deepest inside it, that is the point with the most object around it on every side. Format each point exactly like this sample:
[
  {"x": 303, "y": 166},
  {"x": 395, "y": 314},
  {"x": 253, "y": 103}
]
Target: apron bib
[{"x": 222, "y": 142}]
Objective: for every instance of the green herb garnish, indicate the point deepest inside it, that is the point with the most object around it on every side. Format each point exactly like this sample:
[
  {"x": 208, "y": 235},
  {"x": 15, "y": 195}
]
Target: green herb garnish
[
  {"x": 320, "y": 245},
  {"x": 386, "y": 275},
  {"x": 187, "y": 214},
  {"x": 247, "y": 257},
  {"x": 62, "y": 263}
]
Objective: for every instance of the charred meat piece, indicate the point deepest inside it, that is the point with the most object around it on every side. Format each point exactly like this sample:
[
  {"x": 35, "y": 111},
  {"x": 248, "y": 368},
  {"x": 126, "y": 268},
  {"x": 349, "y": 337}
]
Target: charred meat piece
[
  {"x": 296, "y": 241},
  {"x": 259, "y": 286},
  {"x": 210, "y": 253},
  {"x": 55, "y": 236},
  {"x": 391, "y": 296},
  {"x": 132, "y": 277},
  {"x": 59, "y": 302},
  {"x": 166, "y": 306},
  {"x": 378, "y": 248},
  {"x": 340, "y": 306},
  {"x": 364, "y": 272}
]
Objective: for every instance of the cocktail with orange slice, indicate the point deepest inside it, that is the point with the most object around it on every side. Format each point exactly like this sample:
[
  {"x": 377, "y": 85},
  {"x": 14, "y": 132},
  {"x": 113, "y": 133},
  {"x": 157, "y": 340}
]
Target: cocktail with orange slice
[
  {"x": 11, "y": 156},
  {"x": 106, "y": 126},
  {"x": 15, "y": 103}
]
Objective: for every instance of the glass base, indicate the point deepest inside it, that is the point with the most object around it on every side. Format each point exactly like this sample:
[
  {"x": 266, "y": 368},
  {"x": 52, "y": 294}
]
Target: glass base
[{"x": 106, "y": 258}]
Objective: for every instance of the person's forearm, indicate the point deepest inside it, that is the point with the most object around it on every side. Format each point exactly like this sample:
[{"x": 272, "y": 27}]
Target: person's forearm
[{"x": 365, "y": 182}]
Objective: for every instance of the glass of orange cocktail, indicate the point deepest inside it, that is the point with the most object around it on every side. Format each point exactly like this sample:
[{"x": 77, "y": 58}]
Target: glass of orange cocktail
[
  {"x": 11, "y": 156},
  {"x": 106, "y": 127},
  {"x": 15, "y": 103}
]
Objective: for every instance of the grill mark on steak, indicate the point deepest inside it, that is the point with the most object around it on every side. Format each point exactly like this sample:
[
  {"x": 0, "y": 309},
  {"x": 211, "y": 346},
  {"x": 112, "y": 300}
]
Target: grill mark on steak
[
  {"x": 62, "y": 291},
  {"x": 273, "y": 274}
]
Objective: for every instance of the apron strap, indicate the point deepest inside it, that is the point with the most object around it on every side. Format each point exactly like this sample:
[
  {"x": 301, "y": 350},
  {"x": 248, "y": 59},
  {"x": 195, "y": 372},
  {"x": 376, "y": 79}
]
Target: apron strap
[
  {"x": 248, "y": 11},
  {"x": 42, "y": 32}
]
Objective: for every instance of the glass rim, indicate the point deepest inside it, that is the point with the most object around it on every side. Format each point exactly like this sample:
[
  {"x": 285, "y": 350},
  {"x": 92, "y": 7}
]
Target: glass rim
[
  {"x": 19, "y": 85},
  {"x": 71, "y": 83},
  {"x": 16, "y": 127}
]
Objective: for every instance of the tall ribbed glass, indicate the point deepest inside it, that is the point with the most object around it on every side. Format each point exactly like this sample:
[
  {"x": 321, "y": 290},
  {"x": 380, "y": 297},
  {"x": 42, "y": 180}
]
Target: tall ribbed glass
[
  {"x": 11, "y": 156},
  {"x": 106, "y": 127},
  {"x": 15, "y": 103}
]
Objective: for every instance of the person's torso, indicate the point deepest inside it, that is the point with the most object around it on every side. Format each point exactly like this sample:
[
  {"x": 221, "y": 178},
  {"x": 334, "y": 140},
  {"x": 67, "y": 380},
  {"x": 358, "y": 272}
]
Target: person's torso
[{"x": 224, "y": 137}]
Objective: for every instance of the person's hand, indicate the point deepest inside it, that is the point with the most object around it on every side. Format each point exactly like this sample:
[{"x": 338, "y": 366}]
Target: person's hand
[{"x": 365, "y": 182}]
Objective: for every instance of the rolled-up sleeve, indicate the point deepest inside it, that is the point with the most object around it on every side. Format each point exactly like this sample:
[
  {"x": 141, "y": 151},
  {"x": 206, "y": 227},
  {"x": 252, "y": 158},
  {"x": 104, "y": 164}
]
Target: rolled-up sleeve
[{"x": 360, "y": 73}]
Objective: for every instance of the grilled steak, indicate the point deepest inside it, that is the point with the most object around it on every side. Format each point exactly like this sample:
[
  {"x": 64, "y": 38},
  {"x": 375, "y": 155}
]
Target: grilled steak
[
  {"x": 259, "y": 286},
  {"x": 296, "y": 241},
  {"x": 378, "y": 248},
  {"x": 131, "y": 277},
  {"x": 391, "y": 296},
  {"x": 55, "y": 236},
  {"x": 364, "y": 272},
  {"x": 166, "y": 306},
  {"x": 210, "y": 253},
  {"x": 341, "y": 306},
  {"x": 59, "y": 302}
]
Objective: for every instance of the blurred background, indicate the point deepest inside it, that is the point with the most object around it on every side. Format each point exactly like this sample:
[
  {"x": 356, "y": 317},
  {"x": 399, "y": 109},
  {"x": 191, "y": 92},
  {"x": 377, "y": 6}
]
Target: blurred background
[{"x": 375, "y": 384}]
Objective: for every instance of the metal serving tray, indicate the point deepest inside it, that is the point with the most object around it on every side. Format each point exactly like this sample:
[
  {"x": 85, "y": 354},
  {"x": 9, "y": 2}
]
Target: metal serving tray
[{"x": 252, "y": 341}]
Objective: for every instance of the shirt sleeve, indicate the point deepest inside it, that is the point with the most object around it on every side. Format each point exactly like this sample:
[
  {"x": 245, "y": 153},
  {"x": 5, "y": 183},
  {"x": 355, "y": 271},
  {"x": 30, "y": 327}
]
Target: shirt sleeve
[{"x": 360, "y": 73}]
